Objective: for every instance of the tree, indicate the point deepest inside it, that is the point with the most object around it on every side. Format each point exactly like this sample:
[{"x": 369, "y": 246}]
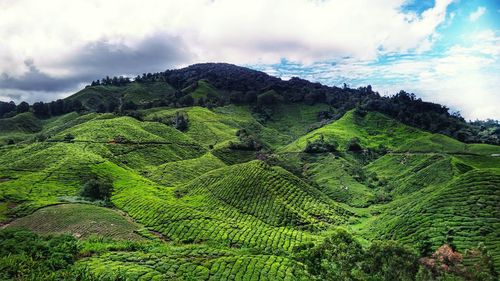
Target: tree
[
  {"x": 236, "y": 97},
  {"x": 40, "y": 109},
  {"x": 101, "y": 108},
  {"x": 130, "y": 105},
  {"x": 445, "y": 260},
  {"x": 180, "y": 121},
  {"x": 23, "y": 107},
  {"x": 320, "y": 145},
  {"x": 6, "y": 107},
  {"x": 250, "y": 97},
  {"x": 25, "y": 255},
  {"x": 56, "y": 107},
  {"x": 336, "y": 258},
  {"x": 247, "y": 141},
  {"x": 186, "y": 100},
  {"x": 112, "y": 106},
  {"x": 69, "y": 138},
  {"x": 354, "y": 145},
  {"x": 97, "y": 189},
  {"x": 389, "y": 260},
  {"x": 75, "y": 105},
  {"x": 483, "y": 267},
  {"x": 268, "y": 98}
]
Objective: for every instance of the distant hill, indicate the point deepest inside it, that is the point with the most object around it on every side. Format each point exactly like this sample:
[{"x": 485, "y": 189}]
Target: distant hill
[{"x": 218, "y": 84}]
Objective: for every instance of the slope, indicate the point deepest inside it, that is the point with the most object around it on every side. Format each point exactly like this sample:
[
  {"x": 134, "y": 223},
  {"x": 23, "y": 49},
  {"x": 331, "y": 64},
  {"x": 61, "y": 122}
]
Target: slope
[{"x": 464, "y": 211}]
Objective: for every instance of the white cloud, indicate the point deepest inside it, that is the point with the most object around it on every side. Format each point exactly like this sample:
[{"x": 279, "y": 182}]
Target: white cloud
[
  {"x": 54, "y": 34},
  {"x": 474, "y": 16},
  {"x": 237, "y": 31},
  {"x": 464, "y": 78}
]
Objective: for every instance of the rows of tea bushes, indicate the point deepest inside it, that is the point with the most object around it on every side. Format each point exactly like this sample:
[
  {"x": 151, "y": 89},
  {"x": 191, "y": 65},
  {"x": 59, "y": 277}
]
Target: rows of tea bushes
[
  {"x": 192, "y": 219},
  {"x": 463, "y": 212},
  {"x": 194, "y": 264}
]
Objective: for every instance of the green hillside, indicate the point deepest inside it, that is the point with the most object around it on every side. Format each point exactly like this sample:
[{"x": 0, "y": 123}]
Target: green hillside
[{"x": 239, "y": 193}]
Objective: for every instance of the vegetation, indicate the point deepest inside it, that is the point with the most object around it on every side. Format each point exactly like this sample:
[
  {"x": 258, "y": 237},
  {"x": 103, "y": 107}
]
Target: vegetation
[
  {"x": 219, "y": 84},
  {"x": 27, "y": 256},
  {"x": 216, "y": 172}
]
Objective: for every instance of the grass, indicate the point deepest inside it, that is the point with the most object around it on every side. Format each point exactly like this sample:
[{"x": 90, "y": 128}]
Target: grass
[
  {"x": 79, "y": 220},
  {"x": 340, "y": 180},
  {"x": 139, "y": 93},
  {"x": 204, "y": 90}
]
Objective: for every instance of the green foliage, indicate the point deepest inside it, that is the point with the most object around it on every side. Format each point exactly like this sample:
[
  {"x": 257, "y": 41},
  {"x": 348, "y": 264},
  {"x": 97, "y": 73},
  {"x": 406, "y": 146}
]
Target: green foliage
[
  {"x": 80, "y": 220},
  {"x": 247, "y": 141},
  {"x": 180, "y": 121},
  {"x": 25, "y": 255},
  {"x": 69, "y": 137},
  {"x": 336, "y": 258},
  {"x": 205, "y": 209},
  {"x": 269, "y": 98},
  {"x": 389, "y": 260},
  {"x": 97, "y": 189},
  {"x": 354, "y": 145},
  {"x": 320, "y": 145}
]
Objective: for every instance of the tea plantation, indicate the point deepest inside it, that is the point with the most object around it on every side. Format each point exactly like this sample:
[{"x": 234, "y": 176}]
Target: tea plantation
[{"x": 230, "y": 193}]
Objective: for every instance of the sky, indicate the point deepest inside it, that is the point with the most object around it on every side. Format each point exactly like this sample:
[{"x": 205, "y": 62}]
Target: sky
[{"x": 444, "y": 51}]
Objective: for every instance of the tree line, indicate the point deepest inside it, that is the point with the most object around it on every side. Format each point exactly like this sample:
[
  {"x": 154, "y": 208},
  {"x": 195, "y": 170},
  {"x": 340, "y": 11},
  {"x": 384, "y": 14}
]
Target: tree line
[{"x": 40, "y": 109}]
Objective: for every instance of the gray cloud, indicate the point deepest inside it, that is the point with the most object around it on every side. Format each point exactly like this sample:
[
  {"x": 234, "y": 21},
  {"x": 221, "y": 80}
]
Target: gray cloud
[
  {"x": 154, "y": 53},
  {"x": 34, "y": 80},
  {"x": 93, "y": 61}
]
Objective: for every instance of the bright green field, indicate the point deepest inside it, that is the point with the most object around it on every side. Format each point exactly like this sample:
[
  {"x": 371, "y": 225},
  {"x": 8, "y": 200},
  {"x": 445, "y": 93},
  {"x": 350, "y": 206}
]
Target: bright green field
[
  {"x": 196, "y": 208},
  {"x": 80, "y": 220}
]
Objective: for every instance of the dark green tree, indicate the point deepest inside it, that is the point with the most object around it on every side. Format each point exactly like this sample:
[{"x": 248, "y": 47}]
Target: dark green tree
[
  {"x": 23, "y": 107},
  {"x": 97, "y": 189},
  {"x": 389, "y": 260},
  {"x": 186, "y": 100},
  {"x": 336, "y": 258}
]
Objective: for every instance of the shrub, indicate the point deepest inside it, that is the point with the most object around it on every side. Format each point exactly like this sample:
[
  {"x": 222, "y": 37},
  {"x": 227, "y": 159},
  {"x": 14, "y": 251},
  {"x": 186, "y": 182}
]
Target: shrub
[
  {"x": 180, "y": 121},
  {"x": 354, "y": 145},
  {"x": 97, "y": 189},
  {"x": 69, "y": 138},
  {"x": 119, "y": 139},
  {"x": 186, "y": 100},
  {"x": 247, "y": 141},
  {"x": 321, "y": 145},
  {"x": 24, "y": 255}
]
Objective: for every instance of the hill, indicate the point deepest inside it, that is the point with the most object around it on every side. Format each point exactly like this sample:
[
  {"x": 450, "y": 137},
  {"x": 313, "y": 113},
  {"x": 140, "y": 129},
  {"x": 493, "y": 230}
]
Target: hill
[
  {"x": 189, "y": 181},
  {"x": 218, "y": 84}
]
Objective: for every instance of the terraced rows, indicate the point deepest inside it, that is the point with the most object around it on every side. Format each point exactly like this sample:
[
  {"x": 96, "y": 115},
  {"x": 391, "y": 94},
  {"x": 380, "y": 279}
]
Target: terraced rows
[
  {"x": 271, "y": 195},
  {"x": 466, "y": 210},
  {"x": 178, "y": 172},
  {"x": 179, "y": 221},
  {"x": 407, "y": 173},
  {"x": 208, "y": 265}
]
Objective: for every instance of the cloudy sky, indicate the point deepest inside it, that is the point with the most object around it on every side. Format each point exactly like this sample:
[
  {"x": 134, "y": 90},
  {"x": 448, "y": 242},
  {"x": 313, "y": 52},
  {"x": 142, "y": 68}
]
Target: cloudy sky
[{"x": 446, "y": 51}]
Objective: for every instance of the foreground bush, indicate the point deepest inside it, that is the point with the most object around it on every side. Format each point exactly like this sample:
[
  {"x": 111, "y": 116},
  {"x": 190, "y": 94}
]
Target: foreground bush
[{"x": 25, "y": 255}]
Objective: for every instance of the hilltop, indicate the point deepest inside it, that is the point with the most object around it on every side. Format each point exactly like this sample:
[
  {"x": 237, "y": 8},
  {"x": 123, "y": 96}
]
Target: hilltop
[
  {"x": 219, "y": 172},
  {"x": 219, "y": 84}
]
